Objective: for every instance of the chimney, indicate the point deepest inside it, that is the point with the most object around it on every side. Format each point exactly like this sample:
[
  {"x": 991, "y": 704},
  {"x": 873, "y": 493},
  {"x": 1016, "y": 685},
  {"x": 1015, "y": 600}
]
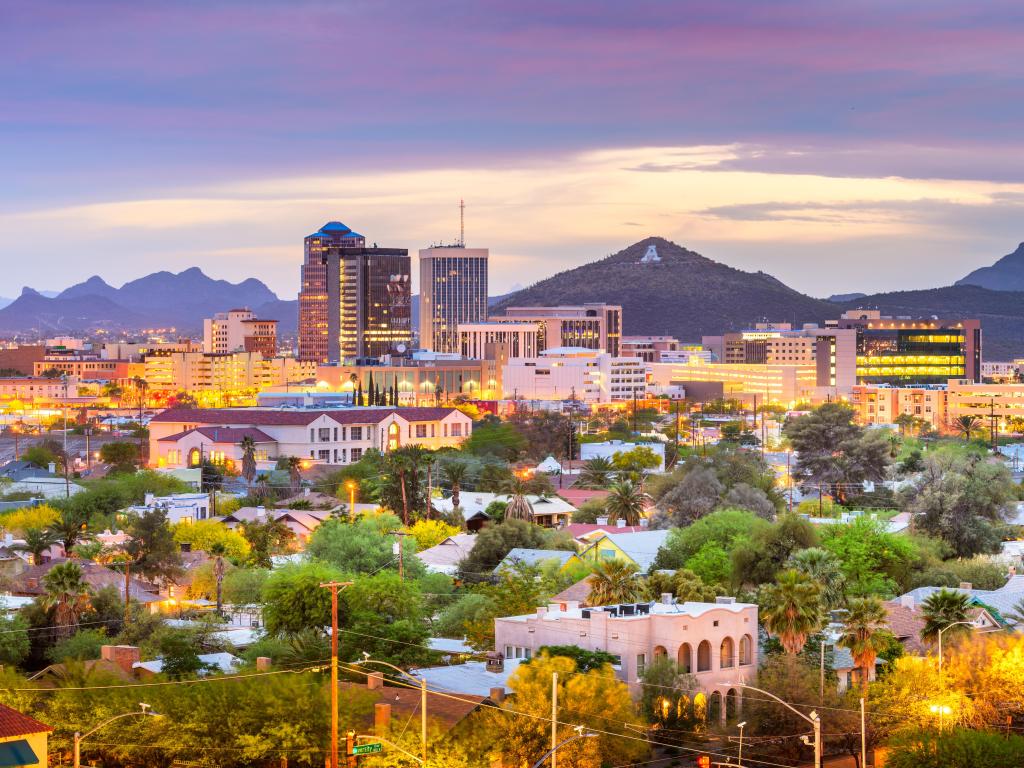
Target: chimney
[
  {"x": 381, "y": 718},
  {"x": 666, "y": 598},
  {"x": 149, "y": 499},
  {"x": 1013, "y": 568},
  {"x": 375, "y": 681},
  {"x": 907, "y": 601},
  {"x": 497, "y": 694},
  {"x": 965, "y": 585},
  {"x": 122, "y": 655},
  {"x": 262, "y": 663},
  {"x": 620, "y": 523},
  {"x": 723, "y": 600},
  {"x": 51, "y": 468},
  {"x": 602, "y": 521},
  {"x": 495, "y": 661}
]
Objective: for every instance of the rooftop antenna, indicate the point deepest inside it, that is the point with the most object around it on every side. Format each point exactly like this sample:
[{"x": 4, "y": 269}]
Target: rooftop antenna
[{"x": 462, "y": 223}]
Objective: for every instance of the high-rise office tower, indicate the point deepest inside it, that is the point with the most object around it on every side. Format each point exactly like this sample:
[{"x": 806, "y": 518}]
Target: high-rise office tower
[
  {"x": 453, "y": 290},
  {"x": 354, "y": 303}
]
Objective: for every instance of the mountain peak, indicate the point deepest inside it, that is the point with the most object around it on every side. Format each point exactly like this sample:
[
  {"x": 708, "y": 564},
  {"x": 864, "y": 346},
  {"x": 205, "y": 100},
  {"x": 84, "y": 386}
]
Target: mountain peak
[
  {"x": 1007, "y": 274},
  {"x": 26, "y": 291}
]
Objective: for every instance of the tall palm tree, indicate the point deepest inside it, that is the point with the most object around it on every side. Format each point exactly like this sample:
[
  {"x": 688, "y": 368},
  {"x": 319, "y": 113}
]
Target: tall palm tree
[
  {"x": 518, "y": 507},
  {"x": 70, "y": 528},
  {"x": 454, "y": 473},
  {"x": 967, "y": 426},
  {"x": 614, "y": 581},
  {"x": 823, "y": 567},
  {"x": 262, "y": 488},
  {"x": 248, "y": 446},
  {"x": 864, "y": 633},
  {"x": 791, "y": 609},
  {"x": 37, "y": 541},
  {"x": 625, "y": 501},
  {"x": 943, "y": 609},
  {"x": 596, "y": 472},
  {"x": 67, "y": 594},
  {"x": 294, "y": 473}
]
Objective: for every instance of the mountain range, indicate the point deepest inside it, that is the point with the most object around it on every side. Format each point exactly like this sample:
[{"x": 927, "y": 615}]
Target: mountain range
[{"x": 681, "y": 293}]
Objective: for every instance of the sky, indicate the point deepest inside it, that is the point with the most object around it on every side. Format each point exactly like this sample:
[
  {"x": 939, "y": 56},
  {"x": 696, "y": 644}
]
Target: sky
[{"x": 858, "y": 146}]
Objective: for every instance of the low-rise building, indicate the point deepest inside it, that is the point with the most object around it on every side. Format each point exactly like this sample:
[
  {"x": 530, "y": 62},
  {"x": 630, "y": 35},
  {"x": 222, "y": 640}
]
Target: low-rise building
[
  {"x": 228, "y": 375},
  {"x": 23, "y": 739},
  {"x": 650, "y": 349},
  {"x": 179, "y": 507},
  {"x": 574, "y": 373},
  {"x": 785, "y": 384},
  {"x": 884, "y": 404},
  {"x": 549, "y": 511},
  {"x": 999, "y": 403},
  {"x": 521, "y": 556},
  {"x": 184, "y": 437},
  {"x": 638, "y": 548},
  {"x": 715, "y": 642}
]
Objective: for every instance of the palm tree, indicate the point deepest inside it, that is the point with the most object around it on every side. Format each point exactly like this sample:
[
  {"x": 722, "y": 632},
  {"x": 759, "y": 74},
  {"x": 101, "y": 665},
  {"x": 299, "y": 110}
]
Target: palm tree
[
  {"x": 943, "y": 609},
  {"x": 518, "y": 507},
  {"x": 262, "y": 487},
  {"x": 248, "y": 446},
  {"x": 294, "y": 474},
  {"x": 823, "y": 567},
  {"x": 596, "y": 472},
  {"x": 625, "y": 501},
  {"x": 454, "y": 473},
  {"x": 70, "y": 528},
  {"x": 791, "y": 609},
  {"x": 614, "y": 581},
  {"x": 966, "y": 426},
  {"x": 864, "y": 633},
  {"x": 37, "y": 541},
  {"x": 67, "y": 594}
]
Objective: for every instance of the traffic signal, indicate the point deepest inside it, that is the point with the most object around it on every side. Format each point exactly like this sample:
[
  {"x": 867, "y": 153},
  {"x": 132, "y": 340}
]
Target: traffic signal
[{"x": 703, "y": 761}]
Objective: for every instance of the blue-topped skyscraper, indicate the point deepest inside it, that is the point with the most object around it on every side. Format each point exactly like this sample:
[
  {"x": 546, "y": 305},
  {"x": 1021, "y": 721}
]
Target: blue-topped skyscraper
[{"x": 354, "y": 303}]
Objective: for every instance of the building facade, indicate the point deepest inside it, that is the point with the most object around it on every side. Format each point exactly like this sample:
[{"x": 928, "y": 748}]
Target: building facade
[
  {"x": 783, "y": 384},
  {"x": 714, "y": 642},
  {"x": 453, "y": 290},
  {"x": 425, "y": 383},
  {"x": 903, "y": 351},
  {"x": 998, "y": 404},
  {"x": 355, "y": 302},
  {"x": 567, "y": 373},
  {"x": 239, "y": 330},
  {"x": 181, "y": 438},
  {"x": 591, "y": 326},
  {"x": 883, "y": 404},
  {"x": 487, "y": 341},
  {"x": 649, "y": 348},
  {"x": 227, "y": 373}
]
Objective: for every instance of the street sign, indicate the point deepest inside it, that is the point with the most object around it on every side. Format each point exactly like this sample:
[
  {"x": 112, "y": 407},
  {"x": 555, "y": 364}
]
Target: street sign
[{"x": 367, "y": 749}]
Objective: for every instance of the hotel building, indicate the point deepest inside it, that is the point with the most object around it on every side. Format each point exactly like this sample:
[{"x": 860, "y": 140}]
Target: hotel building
[
  {"x": 903, "y": 351},
  {"x": 230, "y": 373},
  {"x": 453, "y": 290},
  {"x": 239, "y": 330},
  {"x": 589, "y": 326},
  {"x": 564, "y": 373},
  {"x": 354, "y": 303},
  {"x": 483, "y": 341}
]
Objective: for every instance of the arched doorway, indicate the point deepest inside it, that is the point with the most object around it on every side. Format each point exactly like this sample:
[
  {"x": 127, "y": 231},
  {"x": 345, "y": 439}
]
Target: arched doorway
[
  {"x": 683, "y": 707},
  {"x": 714, "y": 707},
  {"x": 684, "y": 658},
  {"x": 746, "y": 646},
  {"x": 704, "y": 656},
  {"x": 394, "y": 436},
  {"x": 700, "y": 707},
  {"x": 195, "y": 457},
  {"x": 660, "y": 652},
  {"x": 732, "y": 704},
  {"x": 725, "y": 654}
]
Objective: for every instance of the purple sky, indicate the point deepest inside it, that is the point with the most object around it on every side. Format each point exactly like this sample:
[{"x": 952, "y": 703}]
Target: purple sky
[{"x": 856, "y": 146}]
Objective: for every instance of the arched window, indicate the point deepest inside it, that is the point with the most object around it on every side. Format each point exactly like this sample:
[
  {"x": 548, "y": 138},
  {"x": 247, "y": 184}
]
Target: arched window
[
  {"x": 715, "y": 707},
  {"x": 704, "y": 656},
  {"x": 732, "y": 702},
  {"x": 660, "y": 652},
  {"x": 746, "y": 648},
  {"x": 195, "y": 457},
  {"x": 684, "y": 658},
  {"x": 725, "y": 654},
  {"x": 700, "y": 706}
]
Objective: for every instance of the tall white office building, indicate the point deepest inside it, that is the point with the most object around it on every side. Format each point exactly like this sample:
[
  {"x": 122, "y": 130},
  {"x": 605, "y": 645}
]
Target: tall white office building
[{"x": 453, "y": 290}]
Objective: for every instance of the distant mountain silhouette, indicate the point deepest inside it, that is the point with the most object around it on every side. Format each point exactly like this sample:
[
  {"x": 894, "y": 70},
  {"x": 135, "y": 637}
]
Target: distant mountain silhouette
[
  {"x": 1007, "y": 274},
  {"x": 682, "y": 294},
  {"x": 34, "y": 313},
  {"x": 839, "y": 298}
]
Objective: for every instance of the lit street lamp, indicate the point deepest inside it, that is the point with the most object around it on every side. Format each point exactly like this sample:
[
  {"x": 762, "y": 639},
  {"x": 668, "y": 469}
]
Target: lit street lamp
[
  {"x": 813, "y": 718},
  {"x": 739, "y": 754},
  {"x": 79, "y": 738}
]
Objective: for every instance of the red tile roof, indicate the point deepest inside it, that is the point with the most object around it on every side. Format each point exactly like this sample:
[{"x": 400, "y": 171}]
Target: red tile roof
[
  {"x": 577, "y": 496},
  {"x": 258, "y": 416},
  {"x": 405, "y": 703},
  {"x": 14, "y": 723},
  {"x": 232, "y": 435}
]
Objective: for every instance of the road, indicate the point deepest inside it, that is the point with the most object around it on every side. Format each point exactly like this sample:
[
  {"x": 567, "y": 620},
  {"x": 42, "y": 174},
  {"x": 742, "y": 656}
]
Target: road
[{"x": 76, "y": 443}]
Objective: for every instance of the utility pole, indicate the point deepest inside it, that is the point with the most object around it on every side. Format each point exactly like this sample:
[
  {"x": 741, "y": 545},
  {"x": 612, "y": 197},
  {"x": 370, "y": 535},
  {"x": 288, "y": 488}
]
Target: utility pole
[
  {"x": 554, "y": 716},
  {"x": 67, "y": 459},
  {"x": 677, "y": 430},
  {"x": 863, "y": 737},
  {"x": 821, "y": 690},
  {"x": 397, "y": 550},
  {"x": 333, "y": 586}
]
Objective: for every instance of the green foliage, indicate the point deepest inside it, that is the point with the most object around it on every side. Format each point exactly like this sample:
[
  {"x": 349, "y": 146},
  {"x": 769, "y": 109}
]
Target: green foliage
[
  {"x": 364, "y": 546},
  {"x": 40, "y": 456},
  {"x": 81, "y": 646},
  {"x": 684, "y": 584},
  {"x": 712, "y": 563},
  {"x": 494, "y": 541},
  {"x": 266, "y": 538},
  {"x": 980, "y": 572},
  {"x": 152, "y": 548},
  {"x": 123, "y": 455},
  {"x": 665, "y": 698},
  {"x": 826, "y": 569},
  {"x": 180, "y": 656},
  {"x": 585, "y": 660},
  {"x": 244, "y": 586},
  {"x": 516, "y": 591},
  {"x": 756, "y": 560},
  {"x": 384, "y": 618},
  {"x": 942, "y": 610},
  {"x": 293, "y": 599},
  {"x": 955, "y": 749},
  {"x": 614, "y": 581},
  {"x": 791, "y": 609},
  {"x": 724, "y": 528},
  {"x": 14, "y": 640},
  {"x": 871, "y": 559},
  {"x": 430, "y": 533},
  {"x": 202, "y": 535},
  {"x": 589, "y": 511}
]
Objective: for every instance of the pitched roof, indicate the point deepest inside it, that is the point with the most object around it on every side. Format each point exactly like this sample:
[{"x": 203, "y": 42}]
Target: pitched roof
[
  {"x": 580, "y": 592},
  {"x": 14, "y": 723},
  {"x": 449, "y": 552},
  {"x": 534, "y": 557},
  {"x": 290, "y": 417},
  {"x": 30, "y": 581},
  {"x": 906, "y": 624},
  {"x": 579, "y": 529},
  {"x": 232, "y": 435},
  {"x": 642, "y": 547},
  {"x": 405, "y": 703}
]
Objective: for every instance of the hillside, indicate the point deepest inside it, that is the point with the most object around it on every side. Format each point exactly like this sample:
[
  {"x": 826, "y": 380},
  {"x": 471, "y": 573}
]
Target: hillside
[
  {"x": 684, "y": 294},
  {"x": 1001, "y": 312},
  {"x": 34, "y": 313},
  {"x": 1007, "y": 274}
]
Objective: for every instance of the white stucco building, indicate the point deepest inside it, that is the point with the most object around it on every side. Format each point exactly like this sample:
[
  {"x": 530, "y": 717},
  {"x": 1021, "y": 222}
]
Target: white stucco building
[{"x": 563, "y": 373}]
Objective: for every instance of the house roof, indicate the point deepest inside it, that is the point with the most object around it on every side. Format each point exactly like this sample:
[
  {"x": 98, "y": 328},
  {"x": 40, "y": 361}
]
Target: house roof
[
  {"x": 405, "y": 703},
  {"x": 473, "y": 503},
  {"x": 641, "y": 547},
  {"x": 471, "y": 678},
  {"x": 224, "y": 663},
  {"x": 577, "y": 496},
  {"x": 534, "y": 557},
  {"x": 228, "y": 435},
  {"x": 292, "y": 417},
  {"x": 449, "y": 552},
  {"x": 1002, "y": 600},
  {"x": 906, "y": 624},
  {"x": 30, "y": 581},
  {"x": 581, "y": 529},
  {"x": 580, "y": 592},
  {"x": 14, "y": 723}
]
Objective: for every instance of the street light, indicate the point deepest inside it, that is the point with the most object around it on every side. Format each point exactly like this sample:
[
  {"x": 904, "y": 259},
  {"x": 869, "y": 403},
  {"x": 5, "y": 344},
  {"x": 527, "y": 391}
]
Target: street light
[
  {"x": 422, "y": 682},
  {"x": 579, "y": 735},
  {"x": 351, "y": 486},
  {"x": 814, "y": 719},
  {"x": 79, "y": 738},
  {"x": 949, "y": 626},
  {"x": 739, "y": 755}
]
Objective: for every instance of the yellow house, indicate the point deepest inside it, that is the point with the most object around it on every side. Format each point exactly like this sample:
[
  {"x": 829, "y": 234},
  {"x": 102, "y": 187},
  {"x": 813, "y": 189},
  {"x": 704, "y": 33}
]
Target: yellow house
[
  {"x": 638, "y": 548},
  {"x": 537, "y": 557},
  {"x": 22, "y": 739}
]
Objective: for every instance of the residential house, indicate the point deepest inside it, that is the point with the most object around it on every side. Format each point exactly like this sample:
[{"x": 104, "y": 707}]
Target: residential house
[
  {"x": 475, "y": 678},
  {"x": 30, "y": 582},
  {"x": 179, "y": 507},
  {"x": 639, "y": 548},
  {"x": 578, "y": 593},
  {"x": 549, "y": 511},
  {"x": 396, "y": 706},
  {"x": 997, "y": 606},
  {"x": 715, "y": 642},
  {"x": 214, "y": 663},
  {"x": 537, "y": 557},
  {"x": 23, "y": 739},
  {"x": 446, "y": 556}
]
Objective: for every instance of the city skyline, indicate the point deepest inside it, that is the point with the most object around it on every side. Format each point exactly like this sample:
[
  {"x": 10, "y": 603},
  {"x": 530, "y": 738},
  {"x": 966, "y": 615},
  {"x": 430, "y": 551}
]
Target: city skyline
[{"x": 765, "y": 139}]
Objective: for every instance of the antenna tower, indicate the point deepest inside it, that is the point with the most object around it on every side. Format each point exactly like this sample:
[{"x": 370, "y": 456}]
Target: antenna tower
[{"x": 462, "y": 223}]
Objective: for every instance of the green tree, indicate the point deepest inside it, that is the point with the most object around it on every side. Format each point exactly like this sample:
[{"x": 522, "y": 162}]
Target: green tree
[
  {"x": 364, "y": 546},
  {"x": 585, "y": 660},
  {"x": 494, "y": 541},
  {"x": 243, "y": 586},
  {"x": 625, "y": 501},
  {"x": 756, "y": 560},
  {"x": 493, "y": 437},
  {"x": 665, "y": 697},
  {"x": 942, "y": 610},
  {"x": 712, "y": 564},
  {"x": 124, "y": 456},
  {"x": 154, "y": 553},
  {"x": 826, "y": 569},
  {"x": 386, "y": 619},
  {"x": 928, "y": 748},
  {"x": 14, "y": 640},
  {"x": 724, "y": 527},
  {"x": 84, "y": 645},
  {"x": 835, "y": 453},
  {"x": 865, "y": 633},
  {"x": 518, "y": 506},
  {"x": 67, "y": 595},
  {"x": 454, "y": 473},
  {"x": 791, "y": 609},
  {"x": 71, "y": 527},
  {"x": 204, "y": 535},
  {"x": 293, "y": 599},
  {"x": 39, "y": 456},
  {"x": 614, "y": 581},
  {"x": 686, "y": 585},
  {"x": 37, "y": 541},
  {"x": 871, "y": 558},
  {"x": 966, "y": 426},
  {"x": 248, "y": 446},
  {"x": 266, "y": 539},
  {"x": 180, "y": 656},
  {"x": 636, "y": 462}
]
